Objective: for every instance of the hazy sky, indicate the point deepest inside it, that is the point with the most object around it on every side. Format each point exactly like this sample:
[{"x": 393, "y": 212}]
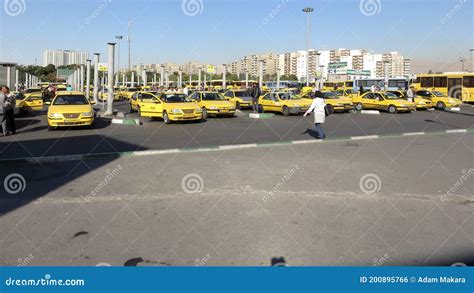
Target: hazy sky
[{"x": 434, "y": 34}]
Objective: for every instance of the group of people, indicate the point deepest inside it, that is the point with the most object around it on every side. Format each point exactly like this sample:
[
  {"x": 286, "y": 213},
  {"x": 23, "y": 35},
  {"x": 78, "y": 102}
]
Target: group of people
[{"x": 7, "y": 111}]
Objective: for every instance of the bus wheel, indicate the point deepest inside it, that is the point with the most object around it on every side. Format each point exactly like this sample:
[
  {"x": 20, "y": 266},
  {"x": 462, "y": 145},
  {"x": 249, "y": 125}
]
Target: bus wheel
[
  {"x": 440, "y": 106},
  {"x": 359, "y": 107}
]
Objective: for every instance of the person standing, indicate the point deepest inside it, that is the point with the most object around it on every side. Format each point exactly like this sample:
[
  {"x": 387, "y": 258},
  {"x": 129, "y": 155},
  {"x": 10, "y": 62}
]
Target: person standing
[
  {"x": 256, "y": 92},
  {"x": 9, "y": 109},
  {"x": 411, "y": 94},
  {"x": 318, "y": 108},
  {"x": 3, "y": 120}
]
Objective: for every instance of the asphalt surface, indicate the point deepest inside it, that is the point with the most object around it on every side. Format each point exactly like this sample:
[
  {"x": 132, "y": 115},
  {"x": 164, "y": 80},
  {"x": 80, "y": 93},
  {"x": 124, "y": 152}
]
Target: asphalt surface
[
  {"x": 389, "y": 201},
  {"x": 34, "y": 140}
]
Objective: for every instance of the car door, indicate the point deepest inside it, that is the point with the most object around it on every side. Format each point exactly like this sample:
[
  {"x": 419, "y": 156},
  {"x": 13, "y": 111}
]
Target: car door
[
  {"x": 34, "y": 102},
  {"x": 367, "y": 100},
  {"x": 265, "y": 101},
  {"x": 134, "y": 101},
  {"x": 379, "y": 103}
]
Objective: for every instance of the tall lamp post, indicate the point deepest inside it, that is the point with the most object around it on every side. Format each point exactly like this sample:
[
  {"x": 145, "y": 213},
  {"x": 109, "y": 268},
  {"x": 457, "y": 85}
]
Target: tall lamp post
[
  {"x": 461, "y": 59},
  {"x": 119, "y": 38},
  {"x": 471, "y": 50},
  {"x": 308, "y": 11}
]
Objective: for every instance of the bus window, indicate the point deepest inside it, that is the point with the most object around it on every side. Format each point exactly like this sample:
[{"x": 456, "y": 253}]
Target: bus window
[
  {"x": 426, "y": 82},
  {"x": 349, "y": 84},
  {"x": 468, "y": 81},
  {"x": 440, "y": 81}
]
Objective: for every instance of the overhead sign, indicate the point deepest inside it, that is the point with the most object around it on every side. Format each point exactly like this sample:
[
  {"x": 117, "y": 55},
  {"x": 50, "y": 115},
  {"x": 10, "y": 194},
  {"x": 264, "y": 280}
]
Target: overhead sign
[
  {"x": 337, "y": 64},
  {"x": 103, "y": 66},
  {"x": 211, "y": 69},
  {"x": 358, "y": 72}
]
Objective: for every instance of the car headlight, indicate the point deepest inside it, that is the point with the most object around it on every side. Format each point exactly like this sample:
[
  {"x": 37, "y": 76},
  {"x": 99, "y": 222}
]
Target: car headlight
[
  {"x": 176, "y": 111},
  {"x": 213, "y": 107},
  {"x": 55, "y": 115},
  {"x": 86, "y": 114}
]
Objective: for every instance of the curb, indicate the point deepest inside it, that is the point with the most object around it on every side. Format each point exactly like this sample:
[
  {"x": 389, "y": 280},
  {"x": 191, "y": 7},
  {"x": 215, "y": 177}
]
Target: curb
[
  {"x": 373, "y": 112},
  {"x": 261, "y": 115},
  {"x": 66, "y": 158}
]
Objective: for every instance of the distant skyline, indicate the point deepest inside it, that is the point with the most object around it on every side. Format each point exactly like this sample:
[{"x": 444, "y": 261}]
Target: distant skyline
[{"x": 433, "y": 36}]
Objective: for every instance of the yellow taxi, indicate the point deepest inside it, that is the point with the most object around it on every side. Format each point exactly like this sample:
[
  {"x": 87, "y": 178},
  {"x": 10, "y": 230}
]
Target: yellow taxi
[
  {"x": 70, "y": 109},
  {"x": 438, "y": 99},
  {"x": 127, "y": 93},
  {"x": 240, "y": 98},
  {"x": 213, "y": 103},
  {"x": 103, "y": 95},
  {"x": 169, "y": 106},
  {"x": 421, "y": 103},
  {"x": 283, "y": 102},
  {"x": 30, "y": 102},
  {"x": 384, "y": 102},
  {"x": 334, "y": 102}
]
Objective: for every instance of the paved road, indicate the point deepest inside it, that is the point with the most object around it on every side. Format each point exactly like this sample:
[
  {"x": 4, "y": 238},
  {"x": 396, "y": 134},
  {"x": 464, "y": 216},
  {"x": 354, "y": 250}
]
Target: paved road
[
  {"x": 35, "y": 140},
  {"x": 301, "y": 202}
]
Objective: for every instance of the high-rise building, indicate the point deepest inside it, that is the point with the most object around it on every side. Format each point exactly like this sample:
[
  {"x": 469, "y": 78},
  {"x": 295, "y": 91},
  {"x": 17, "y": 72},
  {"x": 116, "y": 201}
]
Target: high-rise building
[{"x": 64, "y": 57}]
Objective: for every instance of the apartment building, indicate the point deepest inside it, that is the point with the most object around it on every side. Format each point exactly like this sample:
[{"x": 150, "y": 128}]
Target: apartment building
[{"x": 64, "y": 57}]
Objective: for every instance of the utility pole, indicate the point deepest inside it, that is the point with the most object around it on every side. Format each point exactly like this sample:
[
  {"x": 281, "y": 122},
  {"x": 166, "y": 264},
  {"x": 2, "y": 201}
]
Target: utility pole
[
  {"x": 308, "y": 11},
  {"x": 88, "y": 78},
  {"x": 111, "y": 73},
  {"x": 96, "y": 76},
  {"x": 129, "y": 40},
  {"x": 119, "y": 38}
]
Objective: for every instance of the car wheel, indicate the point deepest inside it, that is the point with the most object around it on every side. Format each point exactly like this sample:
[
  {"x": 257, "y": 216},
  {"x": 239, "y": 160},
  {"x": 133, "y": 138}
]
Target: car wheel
[
  {"x": 285, "y": 111},
  {"x": 260, "y": 109},
  {"x": 440, "y": 106},
  {"x": 166, "y": 118},
  {"x": 204, "y": 113},
  {"x": 330, "y": 109},
  {"x": 359, "y": 107},
  {"x": 237, "y": 106},
  {"x": 392, "y": 109}
]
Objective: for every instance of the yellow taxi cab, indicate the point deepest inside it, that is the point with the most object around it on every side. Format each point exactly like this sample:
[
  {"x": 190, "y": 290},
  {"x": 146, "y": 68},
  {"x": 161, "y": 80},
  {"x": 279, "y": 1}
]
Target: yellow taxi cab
[
  {"x": 103, "y": 95},
  {"x": 141, "y": 97},
  {"x": 421, "y": 103},
  {"x": 384, "y": 102},
  {"x": 70, "y": 109},
  {"x": 169, "y": 106},
  {"x": 213, "y": 103},
  {"x": 283, "y": 102},
  {"x": 334, "y": 102},
  {"x": 438, "y": 99},
  {"x": 240, "y": 98},
  {"x": 33, "y": 90},
  {"x": 127, "y": 93},
  {"x": 30, "y": 102}
]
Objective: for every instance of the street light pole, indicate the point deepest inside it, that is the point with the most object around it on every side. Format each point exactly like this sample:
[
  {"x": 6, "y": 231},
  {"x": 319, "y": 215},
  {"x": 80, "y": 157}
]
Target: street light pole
[
  {"x": 308, "y": 11},
  {"x": 111, "y": 73},
  {"x": 471, "y": 50},
  {"x": 119, "y": 38},
  {"x": 461, "y": 59},
  {"x": 129, "y": 40},
  {"x": 224, "y": 85},
  {"x": 96, "y": 76},
  {"x": 88, "y": 78}
]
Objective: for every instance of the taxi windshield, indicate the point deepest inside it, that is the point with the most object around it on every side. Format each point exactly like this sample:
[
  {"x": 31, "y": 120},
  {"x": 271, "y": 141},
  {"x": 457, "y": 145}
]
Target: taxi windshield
[
  {"x": 241, "y": 94},
  {"x": 390, "y": 96},
  {"x": 288, "y": 96},
  {"x": 330, "y": 95},
  {"x": 70, "y": 100},
  {"x": 211, "y": 97},
  {"x": 436, "y": 93},
  {"x": 176, "y": 98}
]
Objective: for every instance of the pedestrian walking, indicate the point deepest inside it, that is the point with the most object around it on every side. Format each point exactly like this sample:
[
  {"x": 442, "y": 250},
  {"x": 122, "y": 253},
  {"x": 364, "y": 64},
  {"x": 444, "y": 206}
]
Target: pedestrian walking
[
  {"x": 318, "y": 108},
  {"x": 255, "y": 93},
  {"x": 9, "y": 111}
]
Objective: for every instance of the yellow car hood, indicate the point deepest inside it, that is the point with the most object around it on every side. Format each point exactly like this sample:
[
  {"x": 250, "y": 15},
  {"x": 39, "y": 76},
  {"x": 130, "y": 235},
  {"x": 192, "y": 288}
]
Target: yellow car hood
[
  {"x": 70, "y": 109},
  {"x": 182, "y": 105},
  {"x": 219, "y": 104}
]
